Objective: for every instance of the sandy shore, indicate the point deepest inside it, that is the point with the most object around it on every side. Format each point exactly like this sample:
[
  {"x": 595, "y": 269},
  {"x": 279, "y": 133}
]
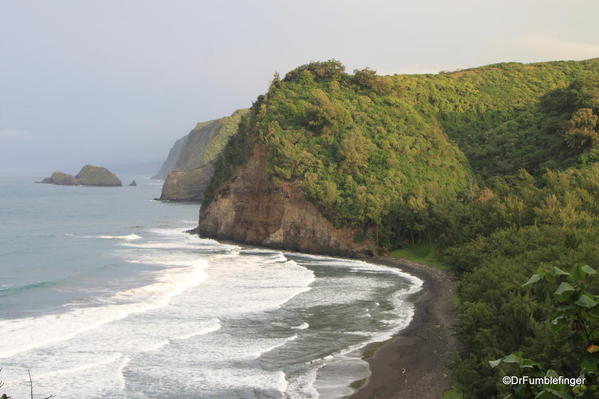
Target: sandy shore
[{"x": 414, "y": 363}]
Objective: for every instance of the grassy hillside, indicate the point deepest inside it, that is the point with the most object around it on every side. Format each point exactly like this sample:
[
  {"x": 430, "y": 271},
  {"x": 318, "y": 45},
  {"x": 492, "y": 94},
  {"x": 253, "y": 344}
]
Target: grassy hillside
[{"x": 493, "y": 167}]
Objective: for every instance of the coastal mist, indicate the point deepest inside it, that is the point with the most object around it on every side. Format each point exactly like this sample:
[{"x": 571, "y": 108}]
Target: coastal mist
[{"x": 104, "y": 295}]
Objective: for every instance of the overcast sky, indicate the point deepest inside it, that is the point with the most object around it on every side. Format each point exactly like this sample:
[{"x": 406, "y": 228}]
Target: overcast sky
[{"x": 117, "y": 81}]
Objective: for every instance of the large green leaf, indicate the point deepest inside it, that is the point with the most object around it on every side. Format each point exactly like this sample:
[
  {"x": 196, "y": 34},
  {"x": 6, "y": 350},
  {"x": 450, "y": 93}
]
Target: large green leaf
[
  {"x": 564, "y": 288},
  {"x": 586, "y": 301},
  {"x": 535, "y": 278},
  {"x": 588, "y": 270},
  {"x": 556, "y": 271}
]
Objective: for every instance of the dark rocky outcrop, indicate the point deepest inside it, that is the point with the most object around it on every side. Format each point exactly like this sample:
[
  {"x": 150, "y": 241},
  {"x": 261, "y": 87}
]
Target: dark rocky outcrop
[
  {"x": 133, "y": 184},
  {"x": 187, "y": 185},
  {"x": 251, "y": 209},
  {"x": 88, "y": 176}
]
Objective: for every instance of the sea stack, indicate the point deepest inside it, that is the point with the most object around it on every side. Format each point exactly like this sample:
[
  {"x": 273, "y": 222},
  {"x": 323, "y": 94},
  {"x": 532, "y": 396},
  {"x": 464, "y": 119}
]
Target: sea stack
[
  {"x": 133, "y": 184},
  {"x": 89, "y": 175}
]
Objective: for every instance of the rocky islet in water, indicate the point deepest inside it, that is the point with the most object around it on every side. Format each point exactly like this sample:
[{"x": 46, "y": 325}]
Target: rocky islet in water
[{"x": 89, "y": 175}]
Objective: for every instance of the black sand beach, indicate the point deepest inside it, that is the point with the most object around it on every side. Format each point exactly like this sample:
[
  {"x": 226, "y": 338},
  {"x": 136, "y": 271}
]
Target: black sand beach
[{"x": 414, "y": 363}]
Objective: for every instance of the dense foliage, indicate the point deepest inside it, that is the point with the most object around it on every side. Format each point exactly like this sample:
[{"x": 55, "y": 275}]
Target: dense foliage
[
  {"x": 494, "y": 242},
  {"x": 576, "y": 322},
  {"x": 355, "y": 149},
  {"x": 496, "y": 165}
]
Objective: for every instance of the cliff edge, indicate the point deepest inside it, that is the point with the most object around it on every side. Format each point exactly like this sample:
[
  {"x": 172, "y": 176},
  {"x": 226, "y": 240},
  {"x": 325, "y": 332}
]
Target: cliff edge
[{"x": 253, "y": 210}]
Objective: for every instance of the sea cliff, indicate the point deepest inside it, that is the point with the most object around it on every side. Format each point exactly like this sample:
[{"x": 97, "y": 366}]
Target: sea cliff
[
  {"x": 333, "y": 162},
  {"x": 253, "y": 210},
  {"x": 187, "y": 185},
  {"x": 186, "y": 171}
]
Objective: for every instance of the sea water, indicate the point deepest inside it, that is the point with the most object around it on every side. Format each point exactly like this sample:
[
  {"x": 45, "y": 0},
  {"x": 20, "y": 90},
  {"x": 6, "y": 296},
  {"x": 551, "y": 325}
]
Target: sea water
[{"x": 104, "y": 295}]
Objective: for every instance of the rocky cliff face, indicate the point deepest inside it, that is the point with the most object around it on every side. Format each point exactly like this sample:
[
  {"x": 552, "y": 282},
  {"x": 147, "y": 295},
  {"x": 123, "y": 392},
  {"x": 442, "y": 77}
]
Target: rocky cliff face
[
  {"x": 187, "y": 185},
  {"x": 88, "y": 176},
  {"x": 253, "y": 210}
]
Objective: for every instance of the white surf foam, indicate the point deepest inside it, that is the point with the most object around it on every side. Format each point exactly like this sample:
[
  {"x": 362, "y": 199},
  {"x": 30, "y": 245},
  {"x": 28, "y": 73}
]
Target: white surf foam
[
  {"x": 21, "y": 335},
  {"x": 302, "y": 326},
  {"x": 162, "y": 245},
  {"x": 129, "y": 237}
]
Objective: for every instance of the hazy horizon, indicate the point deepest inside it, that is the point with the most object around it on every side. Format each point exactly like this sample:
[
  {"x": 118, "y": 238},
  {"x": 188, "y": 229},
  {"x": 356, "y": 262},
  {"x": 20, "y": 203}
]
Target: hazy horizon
[{"x": 115, "y": 83}]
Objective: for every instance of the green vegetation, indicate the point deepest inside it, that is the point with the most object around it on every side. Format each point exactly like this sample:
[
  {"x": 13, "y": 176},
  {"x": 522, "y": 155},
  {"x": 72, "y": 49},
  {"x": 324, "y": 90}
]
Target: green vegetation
[
  {"x": 201, "y": 145},
  {"x": 423, "y": 252},
  {"x": 493, "y": 243},
  {"x": 359, "y": 153},
  {"x": 452, "y": 394},
  {"x": 228, "y": 127},
  {"x": 206, "y": 141},
  {"x": 576, "y": 322},
  {"x": 495, "y": 165}
]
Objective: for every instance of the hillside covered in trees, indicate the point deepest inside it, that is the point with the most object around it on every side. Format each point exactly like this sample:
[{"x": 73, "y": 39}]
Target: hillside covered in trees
[{"x": 495, "y": 167}]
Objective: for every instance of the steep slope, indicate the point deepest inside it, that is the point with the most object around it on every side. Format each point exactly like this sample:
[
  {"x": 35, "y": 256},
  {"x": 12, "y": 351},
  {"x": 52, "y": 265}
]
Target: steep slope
[
  {"x": 254, "y": 210},
  {"x": 207, "y": 140},
  {"x": 201, "y": 145},
  {"x": 171, "y": 160},
  {"x": 186, "y": 168},
  {"x": 371, "y": 154}
]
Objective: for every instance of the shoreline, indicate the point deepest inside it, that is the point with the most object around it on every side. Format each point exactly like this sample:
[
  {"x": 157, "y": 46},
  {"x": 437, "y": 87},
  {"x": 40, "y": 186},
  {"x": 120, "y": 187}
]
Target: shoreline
[{"x": 414, "y": 364}]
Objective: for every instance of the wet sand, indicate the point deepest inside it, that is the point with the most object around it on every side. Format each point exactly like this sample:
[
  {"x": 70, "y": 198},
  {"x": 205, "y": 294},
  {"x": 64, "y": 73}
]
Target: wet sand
[{"x": 414, "y": 364}]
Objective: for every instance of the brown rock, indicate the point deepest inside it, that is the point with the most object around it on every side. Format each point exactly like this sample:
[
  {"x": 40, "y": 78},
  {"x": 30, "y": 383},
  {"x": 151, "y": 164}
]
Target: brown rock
[
  {"x": 251, "y": 209},
  {"x": 189, "y": 185}
]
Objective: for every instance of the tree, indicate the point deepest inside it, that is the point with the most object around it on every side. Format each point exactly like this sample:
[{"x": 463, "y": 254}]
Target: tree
[{"x": 581, "y": 130}]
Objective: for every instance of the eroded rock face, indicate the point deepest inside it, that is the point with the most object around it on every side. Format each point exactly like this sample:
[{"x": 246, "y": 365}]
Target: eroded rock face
[
  {"x": 187, "y": 185},
  {"x": 253, "y": 210},
  {"x": 88, "y": 176}
]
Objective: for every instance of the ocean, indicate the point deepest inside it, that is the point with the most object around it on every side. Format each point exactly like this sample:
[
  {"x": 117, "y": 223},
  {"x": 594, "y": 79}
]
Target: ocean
[{"x": 104, "y": 295}]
